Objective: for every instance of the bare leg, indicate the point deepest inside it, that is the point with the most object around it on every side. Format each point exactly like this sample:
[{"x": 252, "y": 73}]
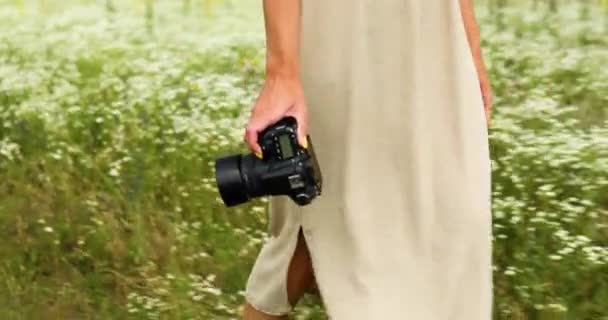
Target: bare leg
[{"x": 300, "y": 280}]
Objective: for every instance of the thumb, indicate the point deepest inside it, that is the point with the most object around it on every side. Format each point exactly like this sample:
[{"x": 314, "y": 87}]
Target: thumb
[
  {"x": 302, "y": 138},
  {"x": 302, "y": 121}
]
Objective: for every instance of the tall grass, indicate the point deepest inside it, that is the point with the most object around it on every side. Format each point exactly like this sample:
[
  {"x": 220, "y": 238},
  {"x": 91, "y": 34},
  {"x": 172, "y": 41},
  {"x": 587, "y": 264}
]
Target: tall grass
[{"x": 109, "y": 125}]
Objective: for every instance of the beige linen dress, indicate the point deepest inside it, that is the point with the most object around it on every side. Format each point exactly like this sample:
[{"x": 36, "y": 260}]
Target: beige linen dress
[{"x": 403, "y": 227}]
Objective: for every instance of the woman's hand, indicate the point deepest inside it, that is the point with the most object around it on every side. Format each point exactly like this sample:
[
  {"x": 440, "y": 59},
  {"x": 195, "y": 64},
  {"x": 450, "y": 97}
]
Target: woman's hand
[
  {"x": 282, "y": 93},
  {"x": 281, "y": 96},
  {"x": 473, "y": 37}
]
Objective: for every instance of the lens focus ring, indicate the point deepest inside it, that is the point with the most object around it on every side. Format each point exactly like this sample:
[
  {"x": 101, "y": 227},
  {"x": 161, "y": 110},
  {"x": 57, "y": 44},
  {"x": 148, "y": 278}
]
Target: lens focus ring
[{"x": 231, "y": 186}]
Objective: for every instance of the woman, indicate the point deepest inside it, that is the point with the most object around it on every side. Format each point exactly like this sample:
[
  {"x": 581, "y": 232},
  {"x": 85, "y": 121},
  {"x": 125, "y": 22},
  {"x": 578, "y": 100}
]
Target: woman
[{"x": 392, "y": 93}]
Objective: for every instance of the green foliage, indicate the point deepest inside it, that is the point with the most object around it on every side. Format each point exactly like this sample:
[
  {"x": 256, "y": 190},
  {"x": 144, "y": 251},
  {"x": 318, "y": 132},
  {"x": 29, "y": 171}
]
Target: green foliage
[
  {"x": 108, "y": 132},
  {"x": 550, "y": 219},
  {"x": 550, "y": 151},
  {"x": 560, "y": 56}
]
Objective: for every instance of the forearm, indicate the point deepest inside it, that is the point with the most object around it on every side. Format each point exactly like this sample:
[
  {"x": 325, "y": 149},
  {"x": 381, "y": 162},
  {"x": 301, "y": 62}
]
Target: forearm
[
  {"x": 473, "y": 35},
  {"x": 282, "y": 22}
]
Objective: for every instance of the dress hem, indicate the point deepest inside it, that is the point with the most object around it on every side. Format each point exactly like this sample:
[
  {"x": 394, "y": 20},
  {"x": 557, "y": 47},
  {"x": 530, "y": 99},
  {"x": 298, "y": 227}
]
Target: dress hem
[{"x": 253, "y": 303}]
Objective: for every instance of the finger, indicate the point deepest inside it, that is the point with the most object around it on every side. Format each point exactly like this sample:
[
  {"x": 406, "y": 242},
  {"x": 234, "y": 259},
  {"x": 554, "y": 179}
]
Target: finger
[
  {"x": 488, "y": 119},
  {"x": 251, "y": 138},
  {"x": 300, "y": 115},
  {"x": 258, "y": 122}
]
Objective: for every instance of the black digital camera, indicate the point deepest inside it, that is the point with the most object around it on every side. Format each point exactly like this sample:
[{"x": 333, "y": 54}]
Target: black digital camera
[{"x": 286, "y": 169}]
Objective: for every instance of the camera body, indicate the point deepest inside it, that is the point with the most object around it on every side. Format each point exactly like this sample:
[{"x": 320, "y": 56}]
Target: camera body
[{"x": 286, "y": 169}]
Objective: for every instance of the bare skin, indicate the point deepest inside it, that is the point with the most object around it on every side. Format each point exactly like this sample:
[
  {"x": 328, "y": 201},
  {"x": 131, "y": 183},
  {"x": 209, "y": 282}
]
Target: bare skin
[
  {"x": 282, "y": 95},
  {"x": 473, "y": 36},
  {"x": 300, "y": 280}
]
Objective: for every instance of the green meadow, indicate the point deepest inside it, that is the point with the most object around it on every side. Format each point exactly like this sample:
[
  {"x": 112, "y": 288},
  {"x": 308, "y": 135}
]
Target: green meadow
[{"x": 112, "y": 113}]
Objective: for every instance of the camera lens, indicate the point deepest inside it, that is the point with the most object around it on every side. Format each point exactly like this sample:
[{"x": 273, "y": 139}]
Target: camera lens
[{"x": 232, "y": 187}]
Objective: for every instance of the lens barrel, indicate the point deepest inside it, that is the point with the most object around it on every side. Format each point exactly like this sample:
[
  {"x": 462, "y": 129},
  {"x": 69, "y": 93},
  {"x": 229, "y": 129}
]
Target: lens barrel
[{"x": 230, "y": 182}]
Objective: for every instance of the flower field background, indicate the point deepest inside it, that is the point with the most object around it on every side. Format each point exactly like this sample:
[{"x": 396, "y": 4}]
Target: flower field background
[{"x": 112, "y": 113}]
